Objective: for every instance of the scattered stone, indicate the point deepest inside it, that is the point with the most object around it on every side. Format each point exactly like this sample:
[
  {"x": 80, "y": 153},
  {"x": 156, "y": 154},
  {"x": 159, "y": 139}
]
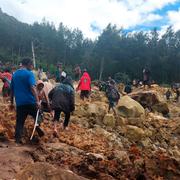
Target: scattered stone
[
  {"x": 109, "y": 120},
  {"x": 134, "y": 133},
  {"x": 122, "y": 156},
  {"x": 120, "y": 121},
  {"x": 97, "y": 145}
]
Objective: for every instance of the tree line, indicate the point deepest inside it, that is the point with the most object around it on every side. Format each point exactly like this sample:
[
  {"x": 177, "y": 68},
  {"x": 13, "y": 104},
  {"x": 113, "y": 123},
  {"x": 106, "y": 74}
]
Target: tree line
[{"x": 114, "y": 53}]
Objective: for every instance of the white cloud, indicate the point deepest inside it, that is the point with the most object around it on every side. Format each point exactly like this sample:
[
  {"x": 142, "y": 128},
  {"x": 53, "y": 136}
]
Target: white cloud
[
  {"x": 82, "y": 13},
  {"x": 151, "y": 5},
  {"x": 153, "y": 17},
  {"x": 174, "y": 19}
]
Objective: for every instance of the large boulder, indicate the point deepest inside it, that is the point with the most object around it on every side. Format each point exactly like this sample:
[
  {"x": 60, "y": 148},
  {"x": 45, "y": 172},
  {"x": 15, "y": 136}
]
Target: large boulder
[
  {"x": 41, "y": 171},
  {"x": 109, "y": 120},
  {"x": 91, "y": 109},
  {"x": 121, "y": 121},
  {"x": 161, "y": 107},
  {"x": 135, "y": 133},
  {"x": 98, "y": 96},
  {"x": 79, "y": 110},
  {"x": 95, "y": 110},
  {"x": 151, "y": 100},
  {"x": 127, "y": 107}
]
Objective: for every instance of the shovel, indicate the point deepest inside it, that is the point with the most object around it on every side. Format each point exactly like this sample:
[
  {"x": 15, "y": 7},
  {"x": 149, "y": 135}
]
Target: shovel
[{"x": 35, "y": 124}]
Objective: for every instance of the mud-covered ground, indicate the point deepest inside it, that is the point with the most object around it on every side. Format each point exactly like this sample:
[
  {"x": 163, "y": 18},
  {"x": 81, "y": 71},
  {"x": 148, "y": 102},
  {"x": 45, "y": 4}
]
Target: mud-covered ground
[{"x": 145, "y": 147}]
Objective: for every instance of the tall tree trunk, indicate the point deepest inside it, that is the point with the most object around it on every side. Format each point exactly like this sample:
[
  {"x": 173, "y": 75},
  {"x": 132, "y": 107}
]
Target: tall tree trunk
[
  {"x": 34, "y": 60},
  {"x": 19, "y": 55},
  {"x": 101, "y": 69}
]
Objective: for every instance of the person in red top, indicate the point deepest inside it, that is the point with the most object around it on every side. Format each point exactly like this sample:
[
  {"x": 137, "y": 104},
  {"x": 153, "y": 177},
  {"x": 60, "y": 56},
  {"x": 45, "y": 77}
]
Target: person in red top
[
  {"x": 6, "y": 77},
  {"x": 84, "y": 85}
]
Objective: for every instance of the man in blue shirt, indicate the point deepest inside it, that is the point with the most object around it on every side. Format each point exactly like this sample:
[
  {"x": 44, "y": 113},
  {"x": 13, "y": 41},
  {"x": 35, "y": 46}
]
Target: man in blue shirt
[{"x": 27, "y": 101}]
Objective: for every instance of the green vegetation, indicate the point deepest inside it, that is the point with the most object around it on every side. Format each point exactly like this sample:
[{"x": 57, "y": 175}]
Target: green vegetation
[{"x": 114, "y": 51}]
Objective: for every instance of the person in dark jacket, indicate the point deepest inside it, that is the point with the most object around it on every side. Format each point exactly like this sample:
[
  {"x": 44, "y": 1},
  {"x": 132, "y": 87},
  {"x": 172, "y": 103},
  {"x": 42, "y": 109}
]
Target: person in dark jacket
[
  {"x": 146, "y": 77},
  {"x": 58, "y": 71},
  {"x": 113, "y": 96},
  {"x": 168, "y": 94},
  {"x": 62, "y": 100},
  {"x": 128, "y": 88}
]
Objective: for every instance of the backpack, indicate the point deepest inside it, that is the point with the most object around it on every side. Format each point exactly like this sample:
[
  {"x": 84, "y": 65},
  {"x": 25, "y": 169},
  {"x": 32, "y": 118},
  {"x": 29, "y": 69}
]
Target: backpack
[{"x": 113, "y": 94}]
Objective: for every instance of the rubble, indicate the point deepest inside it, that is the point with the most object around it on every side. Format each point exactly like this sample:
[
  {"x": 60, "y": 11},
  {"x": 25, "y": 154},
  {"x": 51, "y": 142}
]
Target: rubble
[
  {"x": 109, "y": 120},
  {"x": 135, "y": 144},
  {"x": 151, "y": 99},
  {"x": 46, "y": 171}
]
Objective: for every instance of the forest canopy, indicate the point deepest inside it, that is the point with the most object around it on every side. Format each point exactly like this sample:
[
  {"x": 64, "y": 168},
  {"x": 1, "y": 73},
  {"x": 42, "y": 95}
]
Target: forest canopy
[{"x": 115, "y": 52}]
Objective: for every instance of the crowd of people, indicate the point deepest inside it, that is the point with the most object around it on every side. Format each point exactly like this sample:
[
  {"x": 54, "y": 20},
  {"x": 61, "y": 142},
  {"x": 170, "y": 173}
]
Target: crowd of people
[
  {"x": 34, "y": 93},
  {"x": 31, "y": 96}
]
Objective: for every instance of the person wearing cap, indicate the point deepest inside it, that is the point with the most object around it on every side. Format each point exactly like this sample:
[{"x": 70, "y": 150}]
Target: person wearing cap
[
  {"x": 48, "y": 86},
  {"x": 43, "y": 98},
  {"x": 63, "y": 76},
  {"x": 62, "y": 99},
  {"x": 84, "y": 85},
  {"x": 27, "y": 101}
]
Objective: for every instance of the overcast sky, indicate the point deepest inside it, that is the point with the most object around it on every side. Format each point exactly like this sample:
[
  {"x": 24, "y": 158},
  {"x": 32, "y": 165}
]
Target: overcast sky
[{"x": 92, "y": 16}]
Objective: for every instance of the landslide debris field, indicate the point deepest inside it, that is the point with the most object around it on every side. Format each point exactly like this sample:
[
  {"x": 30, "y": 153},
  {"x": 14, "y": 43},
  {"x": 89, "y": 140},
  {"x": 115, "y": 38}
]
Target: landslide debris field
[{"x": 136, "y": 144}]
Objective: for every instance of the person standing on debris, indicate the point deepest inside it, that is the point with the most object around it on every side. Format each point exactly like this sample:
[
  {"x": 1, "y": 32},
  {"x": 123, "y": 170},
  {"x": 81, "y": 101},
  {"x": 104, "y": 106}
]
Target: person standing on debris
[
  {"x": 62, "y": 76},
  {"x": 26, "y": 97},
  {"x": 62, "y": 99},
  {"x": 43, "y": 98},
  {"x": 84, "y": 85},
  {"x": 77, "y": 72},
  {"x": 58, "y": 72},
  {"x": 135, "y": 83},
  {"x": 48, "y": 86},
  {"x": 40, "y": 71},
  {"x": 168, "y": 94},
  {"x": 177, "y": 92},
  {"x": 146, "y": 77},
  {"x": 111, "y": 81},
  {"x": 128, "y": 88},
  {"x": 6, "y": 77},
  {"x": 102, "y": 86},
  {"x": 113, "y": 96},
  {"x": 175, "y": 88}
]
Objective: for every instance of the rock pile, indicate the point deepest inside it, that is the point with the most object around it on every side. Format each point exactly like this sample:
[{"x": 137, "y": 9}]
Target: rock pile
[{"x": 134, "y": 144}]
